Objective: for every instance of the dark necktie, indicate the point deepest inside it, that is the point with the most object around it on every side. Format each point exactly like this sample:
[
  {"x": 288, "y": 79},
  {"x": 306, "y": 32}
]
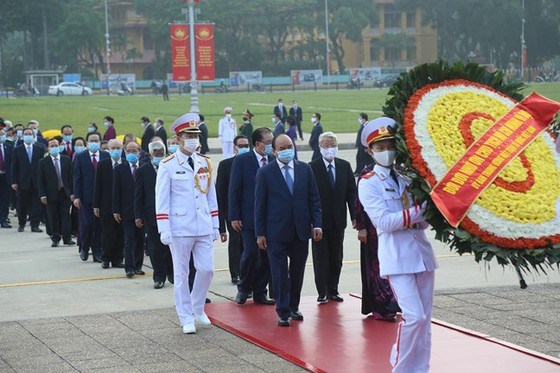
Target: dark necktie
[
  {"x": 331, "y": 174},
  {"x": 263, "y": 161},
  {"x": 134, "y": 172},
  {"x": 68, "y": 150},
  {"x": 394, "y": 176},
  {"x": 94, "y": 161},
  {"x": 2, "y": 165},
  {"x": 191, "y": 163},
  {"x": 58, "y": 174}
]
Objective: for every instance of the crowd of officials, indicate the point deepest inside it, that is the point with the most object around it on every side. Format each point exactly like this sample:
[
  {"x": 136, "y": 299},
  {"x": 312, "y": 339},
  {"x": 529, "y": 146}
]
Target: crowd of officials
[{"x": 104, "y": 192}]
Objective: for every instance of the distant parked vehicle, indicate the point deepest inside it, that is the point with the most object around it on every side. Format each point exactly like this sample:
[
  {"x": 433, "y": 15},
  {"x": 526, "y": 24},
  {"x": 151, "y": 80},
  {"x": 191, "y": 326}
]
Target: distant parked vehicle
[
  {"x": 387, "y": 81},
  {"x": 70, "y": 89}
]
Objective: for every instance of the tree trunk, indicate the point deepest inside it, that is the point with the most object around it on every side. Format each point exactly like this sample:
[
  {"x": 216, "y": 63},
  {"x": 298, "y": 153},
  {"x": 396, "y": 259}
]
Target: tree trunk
[{"x": 45, "y": 41}]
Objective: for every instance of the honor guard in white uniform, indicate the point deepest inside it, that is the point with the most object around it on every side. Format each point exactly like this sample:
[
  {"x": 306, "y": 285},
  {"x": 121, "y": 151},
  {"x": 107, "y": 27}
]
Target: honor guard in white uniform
[
  {"x": 187, "y": 218},
  {"x": 406, "y": 257},
  {"x": 227, "y": 129}
]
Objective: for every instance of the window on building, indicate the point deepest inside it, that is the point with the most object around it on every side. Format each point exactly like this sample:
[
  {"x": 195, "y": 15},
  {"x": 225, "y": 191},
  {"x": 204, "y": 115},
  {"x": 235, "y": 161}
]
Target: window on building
[
  {"x": 411, "y": 52},
  {"x": 392, "y": 53},
  {"x": 147, "y": 40},
  {"x": 392, "y": 19},
  {"x": 374, "y": 50},
  {"x": 411, "y": 19}
]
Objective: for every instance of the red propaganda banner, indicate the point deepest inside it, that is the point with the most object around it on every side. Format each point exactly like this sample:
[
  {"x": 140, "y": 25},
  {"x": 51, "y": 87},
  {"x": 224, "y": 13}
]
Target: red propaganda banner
[
  {"x": 205, "y": 67},
  {"x": 180, "y": 53},
  {"x": 487, "y": 156}
]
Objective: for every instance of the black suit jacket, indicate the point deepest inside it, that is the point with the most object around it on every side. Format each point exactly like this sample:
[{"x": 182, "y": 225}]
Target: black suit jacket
[
  {"x": 149, "y": 132},
  {"x": 314, "y": 140},
  {"x": 204, "y": 138},
  {"x": 24, "y": 174},
  {"x": 39, "y": 140},
  {"x": 282, "y": 113},
  {"x": 222, "y": 186},
  {"x": 123, "y": 191},
  {"x": 145, "y": 195},
  {"x": 48, "y": 179},
  {"x": 161, "y": 132},
  {"x": 103, "y": 190},
  {"x": 334, "y": 201},
  {"x": 297, "y": 114},
  {"x": 8, "y": 155}
]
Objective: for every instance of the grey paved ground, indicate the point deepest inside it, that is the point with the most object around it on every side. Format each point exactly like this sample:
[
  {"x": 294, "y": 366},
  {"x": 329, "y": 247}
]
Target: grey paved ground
[{"x": 59, "y": 314}]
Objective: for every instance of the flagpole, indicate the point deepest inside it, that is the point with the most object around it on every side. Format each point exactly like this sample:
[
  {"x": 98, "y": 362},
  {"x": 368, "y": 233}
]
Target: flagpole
[{"x": 194, "y": 92}]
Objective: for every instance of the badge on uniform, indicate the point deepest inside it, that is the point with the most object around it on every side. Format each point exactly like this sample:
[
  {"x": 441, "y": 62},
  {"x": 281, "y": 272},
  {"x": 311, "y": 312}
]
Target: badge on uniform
[{"x": 180, "y": 172}]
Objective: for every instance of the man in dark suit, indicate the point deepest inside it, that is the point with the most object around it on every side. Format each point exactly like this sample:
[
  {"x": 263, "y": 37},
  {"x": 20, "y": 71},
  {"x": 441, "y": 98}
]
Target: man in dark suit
[
  {"x": 315, "y": 133},
  {"x": 337, "y": 189},
  {"x": 287, "y": 215},
  {"x": 34, "y": 125},
  {"x": 68, "y": 136},
  {"x": 149, "y": 132},
  {"x": 295, "y": 111},
  {"x": 5, "y": 178},
  {"x": 113, "y": 238},
  {"x": 25, "y": 164},
  {"x": 123, "y": 210},
  {"x": 85, "y": 166},
  {"x": 235, "y": 244},
  {"x": 254, "y": 270},
  {"x": 362, "y": 157},
  {"x": 145, "y": 214},
  {"x": 160, "y": 130},
  {"x": 279, "y": 127},
  {"x": 55, "y": 190},
  {"x": 203, "y": 135},
  {"x": 280, "y": 111}
]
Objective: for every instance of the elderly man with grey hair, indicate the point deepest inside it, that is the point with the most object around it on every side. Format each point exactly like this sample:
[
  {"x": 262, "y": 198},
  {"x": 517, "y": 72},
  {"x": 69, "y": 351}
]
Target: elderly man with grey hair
[
  {"x": 337, "y": 190},
  {"x": 145, "y": 214}
]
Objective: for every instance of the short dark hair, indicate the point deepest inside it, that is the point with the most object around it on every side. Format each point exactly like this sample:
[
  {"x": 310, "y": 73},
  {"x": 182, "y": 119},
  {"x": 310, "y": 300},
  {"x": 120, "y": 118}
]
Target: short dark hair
[
  {"x": 364, "y": 116},
  {"x": 201, "y": 117},
  {"x": 93, "y": 133},
  {"x": 93, "y": 125},
  {"x": 27, "y": 129},
  {"x": 291, "y": 120},
  {"x": 109, "y": 119},
  {"x": 238, "y": 137},
  {"x": 258, "y": 134},
  {"x": 145, "y": 119},
  {"x": 318, "y": 115},
  {"x": 66, "y": 126},
  {"x": 57, "y": 138},
  {"x": 78, "y": 138},
  {"x": 19, "y": 125}
]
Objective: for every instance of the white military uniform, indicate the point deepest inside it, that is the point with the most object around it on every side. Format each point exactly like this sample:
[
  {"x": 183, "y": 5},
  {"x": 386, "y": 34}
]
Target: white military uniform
[
  {"x": 406, "y": 258},
  {"x": 186, "y": 206},
  {"x": 227, "y": 129}
]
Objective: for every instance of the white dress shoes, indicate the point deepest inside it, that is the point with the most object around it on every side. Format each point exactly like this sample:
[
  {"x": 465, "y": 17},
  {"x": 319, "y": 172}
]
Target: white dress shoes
[
  {"x": 202, "y": 320},
  {"x": 189, "y": 328}
]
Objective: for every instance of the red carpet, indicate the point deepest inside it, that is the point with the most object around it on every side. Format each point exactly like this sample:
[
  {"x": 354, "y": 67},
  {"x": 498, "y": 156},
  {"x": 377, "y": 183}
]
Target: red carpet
[{"x": 335, "y": 337}]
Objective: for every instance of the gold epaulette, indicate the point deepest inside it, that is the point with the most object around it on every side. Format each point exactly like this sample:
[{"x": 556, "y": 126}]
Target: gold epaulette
[
  {"x": 368, "y": 175},
  {"x": 168, "y": 158},
  {"x": 202, "y": 155}
]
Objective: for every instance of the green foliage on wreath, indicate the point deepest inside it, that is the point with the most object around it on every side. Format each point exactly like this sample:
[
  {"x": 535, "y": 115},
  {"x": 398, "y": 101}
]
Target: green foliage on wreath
[{"x": 459, "y": 239}]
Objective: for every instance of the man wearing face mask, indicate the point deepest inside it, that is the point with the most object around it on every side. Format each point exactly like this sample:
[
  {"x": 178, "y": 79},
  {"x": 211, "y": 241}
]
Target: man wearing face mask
[
  {"x": 254, "y": 270},
  {"x": 38, "y": 137},
  {"x": 85, "y": 166},
  {"x": 314, "y": 138},
  {"x": 227, "y": 130},
  {"x": 149, "y": 132},
  {"x": 68, "y": 136},
  {"x": 113, "y": 237},
  {"x": 287, "y": 215},
  {"x": 362, "y": 156},
  {"x": 173, "y": 144},
  {"x": 187, "y": 219},
  {"x": 406, "y": 258},
  {"x": 337, "y": 190},
  {"x": 6, "y": 151},
  {"x": 124, "y": 177},
  {"x": 278, "y": 125},
  {"x": 110, "y": 132},
  {"x": 280, "y": 111},
  {"x": 145, "y": 214},
  {"x": 295, "y": 111},
  {"x": 25, "y": 164}
]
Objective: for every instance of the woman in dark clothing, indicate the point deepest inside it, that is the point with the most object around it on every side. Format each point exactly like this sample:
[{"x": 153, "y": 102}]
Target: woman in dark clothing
[
  {"x": 291, "y": 132},
  {"x": 377, "y": 296}
]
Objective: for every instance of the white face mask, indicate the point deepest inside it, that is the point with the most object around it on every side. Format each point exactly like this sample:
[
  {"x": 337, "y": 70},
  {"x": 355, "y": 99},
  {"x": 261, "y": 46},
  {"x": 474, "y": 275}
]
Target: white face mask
[
  {"x": 329, "y": 153},
  {"x": 190, "y": 145},
  {"x": 228, "y": 116},
  {"x": 313, "y": 119},
  {"x": 273, "y": 120},
  {"x": 280, "y": 104},
  {"x": 385, "y": 158}
]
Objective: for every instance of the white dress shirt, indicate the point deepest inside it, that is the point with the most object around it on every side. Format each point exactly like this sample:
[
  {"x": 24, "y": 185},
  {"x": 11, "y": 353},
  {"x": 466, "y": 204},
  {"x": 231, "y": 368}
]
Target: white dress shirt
[
  {"x": 260, "y": 157},
  {"x": 290, "y": 169}
]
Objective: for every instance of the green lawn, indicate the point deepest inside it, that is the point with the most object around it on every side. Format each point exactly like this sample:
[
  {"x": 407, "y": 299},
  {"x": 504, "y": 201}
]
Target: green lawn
[{"x": 339, "y": 109}]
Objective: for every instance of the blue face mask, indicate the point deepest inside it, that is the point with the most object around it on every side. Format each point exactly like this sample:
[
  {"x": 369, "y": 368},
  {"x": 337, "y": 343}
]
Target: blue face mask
[
  {"x": 79, "y": 148},
  {"x": 67, "y": 138},
  {"x": 156, "y": 160},
  {"x": 173, "y": 148},
  {"x": 28, "y": 139},
  {"x": 115, "y": 154},
  {"x": 93, "y": 146},
  {"x": 35, "y": 132},
  {"x": 2, "y": 138},
  {"x": 242, "y": 151},
  {"x": 286, "y": 155},
  {"x": 90, "y": 129},
  {"x": 19, "y": 133},
  {"x": 61, "y": 148},
  {"x": 132, "y": 158},
  {"x": 54, "y": 151},
  {"x": 268, "y": 149}
]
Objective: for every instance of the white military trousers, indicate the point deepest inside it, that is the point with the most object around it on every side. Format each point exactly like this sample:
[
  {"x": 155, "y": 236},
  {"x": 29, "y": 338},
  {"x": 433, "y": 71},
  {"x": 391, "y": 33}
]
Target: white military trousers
[
  {"x": 227, "y": 149},
  {"x": 188, "y": 303},
  {"x": 415, "y": 294}
]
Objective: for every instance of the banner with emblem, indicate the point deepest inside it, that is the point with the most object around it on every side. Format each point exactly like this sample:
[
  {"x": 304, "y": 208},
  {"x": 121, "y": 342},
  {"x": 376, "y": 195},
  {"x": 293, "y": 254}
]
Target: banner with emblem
[
  {"x": 204, "y": 42},
  {"x": 180, "y": 53}
]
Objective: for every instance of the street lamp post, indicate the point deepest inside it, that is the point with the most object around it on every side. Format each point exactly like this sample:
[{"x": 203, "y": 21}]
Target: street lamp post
[
  {"x": 107, "y": 49},
  {"x": 328, "y": 60},
  {"x": 194, "y": 92},
  {"x": 523, "y": 53}
]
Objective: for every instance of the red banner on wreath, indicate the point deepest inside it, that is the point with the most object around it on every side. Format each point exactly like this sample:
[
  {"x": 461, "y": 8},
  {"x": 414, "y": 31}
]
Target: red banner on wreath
[
  {"x": 205, "y": 67},
  {"x": 180, "y": 53},
  {"x": 486, "y": 157}
]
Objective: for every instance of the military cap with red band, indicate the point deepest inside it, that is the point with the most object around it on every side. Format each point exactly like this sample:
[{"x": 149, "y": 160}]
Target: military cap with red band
[
  {"x": 377, "y": 129},
  {"x": 186, "y": 123}
]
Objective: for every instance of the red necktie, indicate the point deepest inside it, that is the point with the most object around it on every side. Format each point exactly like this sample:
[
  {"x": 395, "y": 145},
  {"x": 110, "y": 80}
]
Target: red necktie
[
  {"x": 68, "y": 150},
  {"x": 263, "y": 161},
  {"x": 94, "y": 161}
]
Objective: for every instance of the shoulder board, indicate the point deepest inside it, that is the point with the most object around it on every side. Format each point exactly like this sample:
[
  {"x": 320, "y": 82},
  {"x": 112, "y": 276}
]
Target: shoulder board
[
  {"x": 202, "y": 155},
  {"x": 368, "y": 175},
  {"x": 168, "y": 158}
]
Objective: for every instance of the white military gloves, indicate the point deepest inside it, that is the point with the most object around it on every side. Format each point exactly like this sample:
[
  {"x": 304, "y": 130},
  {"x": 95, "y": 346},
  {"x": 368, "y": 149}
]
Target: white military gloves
[{"x": 165, "y": 237}]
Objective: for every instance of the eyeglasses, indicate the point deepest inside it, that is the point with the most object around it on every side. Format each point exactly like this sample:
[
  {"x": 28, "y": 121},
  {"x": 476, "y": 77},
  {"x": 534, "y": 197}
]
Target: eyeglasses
[{"x": 243, "y": 146}]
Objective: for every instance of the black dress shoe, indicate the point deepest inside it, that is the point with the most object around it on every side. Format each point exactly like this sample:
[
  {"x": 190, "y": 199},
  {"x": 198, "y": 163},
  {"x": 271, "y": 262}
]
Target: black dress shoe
[
  {"x": 158, "y": 285},
  {"x": 139, "y": 272},
  {"x": 265, "y": 300},
  {"x": 117, "y": 265},
  {"x": 20, "y": 229},
  {"x": 104, "y": 265},
  {"x": 235, "y": 280},
  {"x": 129, "y": 274},
  {"x": 241, "y": 298},
  {"x": 170, "y": 279},
  {"x": 96, "y": 259},
  {"x": 5, "y": 225},
  {"x": 54, "y": 244},
  {"x": 322, "y": 299},
  {"x": 207, "y": 301},
  {"x": 84, "y": 255},
  {"x": 36, "y": 230},
  {"x": 336, "y": 298},
  {"x": 283, "y": 321},
  {"x": 69, "y": 242},
  {"x": 297, "y": 316}
]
